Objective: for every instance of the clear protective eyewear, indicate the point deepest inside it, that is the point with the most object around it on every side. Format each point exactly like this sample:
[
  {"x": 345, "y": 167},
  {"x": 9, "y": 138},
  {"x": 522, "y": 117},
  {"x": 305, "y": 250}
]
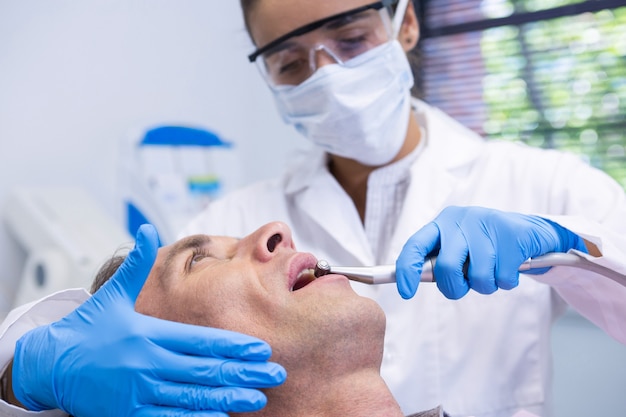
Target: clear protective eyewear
[{"x": 294, "y": 57}]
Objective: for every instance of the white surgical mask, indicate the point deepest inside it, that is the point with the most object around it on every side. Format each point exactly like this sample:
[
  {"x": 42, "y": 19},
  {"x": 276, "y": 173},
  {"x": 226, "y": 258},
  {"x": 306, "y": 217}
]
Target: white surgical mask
[{"x": 358, "y": 110}]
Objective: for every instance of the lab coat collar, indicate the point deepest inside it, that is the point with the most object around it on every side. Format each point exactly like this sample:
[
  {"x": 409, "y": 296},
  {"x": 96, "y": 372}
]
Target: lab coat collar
[
  {"x": 317, "y": 194},
  {"x": 448, "y": 142},
  {"x": 449, "y": 152},
  {"x": 311, "y": 165},
  {"x": 451, "y": 143}
]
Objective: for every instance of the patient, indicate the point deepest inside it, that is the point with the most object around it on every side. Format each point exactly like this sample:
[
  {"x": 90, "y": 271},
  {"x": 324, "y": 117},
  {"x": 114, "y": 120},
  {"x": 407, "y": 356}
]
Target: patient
[{"x": 329, "y": 339}]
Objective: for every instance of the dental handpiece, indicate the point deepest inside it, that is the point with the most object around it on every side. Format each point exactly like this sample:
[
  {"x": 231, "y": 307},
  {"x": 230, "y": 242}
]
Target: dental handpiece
[
  {"x": 385, "y": 274},
  {"x": 374, "y": 275}
]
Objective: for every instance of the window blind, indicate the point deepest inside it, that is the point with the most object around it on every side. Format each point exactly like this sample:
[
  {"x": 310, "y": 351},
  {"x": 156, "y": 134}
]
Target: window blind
[{"x": 551, "y": 73}]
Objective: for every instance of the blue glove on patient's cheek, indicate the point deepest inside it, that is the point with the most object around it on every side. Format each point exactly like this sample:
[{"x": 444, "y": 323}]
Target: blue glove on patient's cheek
[
  {"x": 489, "y": 244},
  {"x": 106, "y": 360}
]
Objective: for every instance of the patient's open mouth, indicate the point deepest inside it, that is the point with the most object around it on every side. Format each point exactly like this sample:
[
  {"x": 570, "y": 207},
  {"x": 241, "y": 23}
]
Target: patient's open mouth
[{"x": 305, "y": 277}]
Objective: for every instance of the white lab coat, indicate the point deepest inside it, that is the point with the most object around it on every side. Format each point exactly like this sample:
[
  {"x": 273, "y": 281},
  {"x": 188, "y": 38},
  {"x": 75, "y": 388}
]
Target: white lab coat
[{"x": 486, "y": 356}]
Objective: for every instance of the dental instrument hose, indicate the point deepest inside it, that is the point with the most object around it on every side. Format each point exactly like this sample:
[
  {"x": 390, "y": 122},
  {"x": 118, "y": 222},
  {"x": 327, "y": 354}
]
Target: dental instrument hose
[{"x": 385, "y": 274}]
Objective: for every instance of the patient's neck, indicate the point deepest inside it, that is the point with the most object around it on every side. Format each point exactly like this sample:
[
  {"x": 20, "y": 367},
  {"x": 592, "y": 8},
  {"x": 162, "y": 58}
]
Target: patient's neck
[{"x": 358, "y": 394}]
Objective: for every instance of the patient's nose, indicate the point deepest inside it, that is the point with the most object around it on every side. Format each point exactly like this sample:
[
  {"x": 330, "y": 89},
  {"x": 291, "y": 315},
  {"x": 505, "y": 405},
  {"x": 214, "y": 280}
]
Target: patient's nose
[
  {"x": 274, "y": 241},
  {"x": 271, "y": 238}
]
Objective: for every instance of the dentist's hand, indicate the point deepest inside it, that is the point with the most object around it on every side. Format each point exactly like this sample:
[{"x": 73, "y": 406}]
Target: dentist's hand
[
  {"x": 105, "y": 359},
  {"x": 493, "y": 243}
]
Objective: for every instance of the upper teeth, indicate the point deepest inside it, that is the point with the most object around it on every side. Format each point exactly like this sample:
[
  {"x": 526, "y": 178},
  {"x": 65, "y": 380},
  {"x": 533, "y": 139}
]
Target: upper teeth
[{"x": 307, "y": 271}]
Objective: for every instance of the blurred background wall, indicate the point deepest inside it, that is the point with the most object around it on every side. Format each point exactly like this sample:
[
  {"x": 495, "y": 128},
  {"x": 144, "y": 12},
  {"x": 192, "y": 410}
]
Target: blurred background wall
[{"x": 77, "y": 77}]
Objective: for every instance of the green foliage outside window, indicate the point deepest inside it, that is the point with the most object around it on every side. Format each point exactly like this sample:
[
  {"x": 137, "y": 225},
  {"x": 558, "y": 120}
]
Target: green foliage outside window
[{"x": 559, "y": 83}]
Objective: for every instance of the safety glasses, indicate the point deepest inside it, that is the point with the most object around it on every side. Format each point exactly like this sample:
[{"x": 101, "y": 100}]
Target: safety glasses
[{"x": 294, "y": 57}]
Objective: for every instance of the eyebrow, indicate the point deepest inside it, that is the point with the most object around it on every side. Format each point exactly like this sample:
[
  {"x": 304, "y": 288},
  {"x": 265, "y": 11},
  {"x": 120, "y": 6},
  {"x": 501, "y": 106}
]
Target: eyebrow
[
  {"x": 280, "y": 47},
  {"x": 182, "y": 246},
  {"x": 346, "y": 20},
  {"x": 314, "y": 25},
  {"x": 332, "y": 25}
]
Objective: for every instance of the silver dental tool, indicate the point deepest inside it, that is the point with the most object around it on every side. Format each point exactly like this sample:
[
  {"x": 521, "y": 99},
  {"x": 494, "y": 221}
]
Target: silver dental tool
[{"x": 385, "y": 274}]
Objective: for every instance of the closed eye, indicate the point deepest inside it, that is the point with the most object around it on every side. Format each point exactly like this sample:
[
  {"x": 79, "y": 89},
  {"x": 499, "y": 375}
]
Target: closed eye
[{"x": 197, "y": 255}]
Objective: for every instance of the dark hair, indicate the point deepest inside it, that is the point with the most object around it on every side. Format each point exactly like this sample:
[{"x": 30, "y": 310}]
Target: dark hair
[
  {"x": 106, "y": 271},
  {"x": 246, "y": 7}
]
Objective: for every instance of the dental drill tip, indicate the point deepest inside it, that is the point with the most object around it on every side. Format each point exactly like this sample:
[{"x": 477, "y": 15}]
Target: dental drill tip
[{"x": 321, "y": 268}]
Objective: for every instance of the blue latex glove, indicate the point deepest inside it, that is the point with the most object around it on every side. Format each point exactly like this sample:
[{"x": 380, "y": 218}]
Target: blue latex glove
[
  {"x": 490, "y": 245},
  {"x": 105, "y": 359}
]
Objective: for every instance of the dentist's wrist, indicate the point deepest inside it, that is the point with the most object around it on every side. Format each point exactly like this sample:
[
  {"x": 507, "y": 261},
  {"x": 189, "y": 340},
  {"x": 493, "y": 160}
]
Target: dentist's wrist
[
  {"x": 566, "y": 239},
  {"x": 592, "y": 249}
]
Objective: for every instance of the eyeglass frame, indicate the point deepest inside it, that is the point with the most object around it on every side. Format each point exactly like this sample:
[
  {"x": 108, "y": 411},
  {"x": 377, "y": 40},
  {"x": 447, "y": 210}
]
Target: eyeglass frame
[{"x": 316, "y": 25}]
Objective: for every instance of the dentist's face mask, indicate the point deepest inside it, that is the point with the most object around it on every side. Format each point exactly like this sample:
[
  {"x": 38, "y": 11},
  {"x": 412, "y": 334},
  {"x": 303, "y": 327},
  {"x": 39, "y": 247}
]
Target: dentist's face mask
[{"x": 344, "y": 83}]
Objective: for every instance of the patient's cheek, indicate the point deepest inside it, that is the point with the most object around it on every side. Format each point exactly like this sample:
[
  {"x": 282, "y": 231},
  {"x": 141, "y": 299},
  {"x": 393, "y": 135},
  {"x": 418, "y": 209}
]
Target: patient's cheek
[
  {"x": 141, "y": 305},
  {"x": 149, "y": 302}
]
